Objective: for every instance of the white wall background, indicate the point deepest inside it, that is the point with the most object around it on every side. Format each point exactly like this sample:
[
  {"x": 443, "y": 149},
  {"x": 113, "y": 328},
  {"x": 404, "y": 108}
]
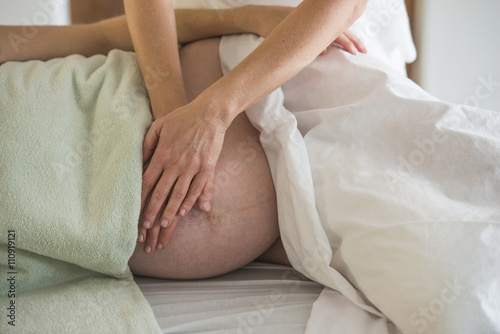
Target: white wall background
[
  {"x": 458, "y": 42},
  {"x": 34, "y": 12}
]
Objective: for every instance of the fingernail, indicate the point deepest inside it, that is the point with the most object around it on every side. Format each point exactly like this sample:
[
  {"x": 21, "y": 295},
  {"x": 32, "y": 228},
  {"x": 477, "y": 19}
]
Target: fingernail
[
  {"x": 206, "y": 206},
  {"x": 159, "y": 246},
  {"x": 147, "y": 224},
  {"x": 164, "y": 223},
  {"x": 141, "y": 237},
  {"x": 148, "y": 249},
  {"x": 182, "y": 212}
]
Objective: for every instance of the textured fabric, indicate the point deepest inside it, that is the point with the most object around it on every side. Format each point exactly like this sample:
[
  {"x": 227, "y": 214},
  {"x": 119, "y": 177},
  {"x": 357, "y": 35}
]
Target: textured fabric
[
  {"x": 70, "y": 178},
  {"x": 258, "y": 298},
  {"x": 385, "y": 193}
]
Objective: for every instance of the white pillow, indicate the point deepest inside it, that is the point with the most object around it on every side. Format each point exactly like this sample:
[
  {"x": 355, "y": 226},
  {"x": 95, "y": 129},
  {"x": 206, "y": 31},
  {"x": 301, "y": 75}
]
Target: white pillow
[{"x": 384, "y": 26}]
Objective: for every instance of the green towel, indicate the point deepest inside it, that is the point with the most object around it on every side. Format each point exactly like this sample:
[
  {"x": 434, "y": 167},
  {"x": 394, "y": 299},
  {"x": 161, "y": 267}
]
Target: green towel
[{"x": 71, "y": 134}]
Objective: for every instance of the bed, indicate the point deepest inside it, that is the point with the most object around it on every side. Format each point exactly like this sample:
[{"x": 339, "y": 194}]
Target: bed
[
  {"x": 258, "y": 298},
  {"x": 350, "y": 243},
  {"x": 264, "y": 298},
  {"x": 385, "y": 30}
]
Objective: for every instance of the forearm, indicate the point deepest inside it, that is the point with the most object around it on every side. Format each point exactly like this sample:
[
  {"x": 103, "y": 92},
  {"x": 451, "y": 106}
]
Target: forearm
[
  {"x": 194, "y": 24},
  {"x": 191, "y": 25},
  {"x": 294, "y": 44},
  {"x": 152, "y": 29},
  {"x": 153, "y": 35},
  {"x": 21, "y": 43}
]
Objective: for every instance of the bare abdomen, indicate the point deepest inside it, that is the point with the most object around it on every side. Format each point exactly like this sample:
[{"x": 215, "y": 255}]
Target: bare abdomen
[{"x": 243, "y": 222}]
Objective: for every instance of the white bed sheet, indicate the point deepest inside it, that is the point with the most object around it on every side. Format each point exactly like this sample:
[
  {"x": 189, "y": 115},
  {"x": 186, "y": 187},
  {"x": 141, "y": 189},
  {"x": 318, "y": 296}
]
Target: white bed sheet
[
  {"x": 258, "y": 298},
  {"x": 376, "y": 223},
  {"x": 384, "y": 192}
]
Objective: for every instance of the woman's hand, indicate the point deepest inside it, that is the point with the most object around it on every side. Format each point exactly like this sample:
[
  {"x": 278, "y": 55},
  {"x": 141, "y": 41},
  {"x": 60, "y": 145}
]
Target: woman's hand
[
  {"x": 183, "y": 148},
  {"x": 350, "y": 42}
]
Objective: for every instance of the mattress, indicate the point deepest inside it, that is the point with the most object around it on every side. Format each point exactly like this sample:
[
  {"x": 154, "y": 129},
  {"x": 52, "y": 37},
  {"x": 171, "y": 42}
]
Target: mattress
[{"x": 257, "y": 298}]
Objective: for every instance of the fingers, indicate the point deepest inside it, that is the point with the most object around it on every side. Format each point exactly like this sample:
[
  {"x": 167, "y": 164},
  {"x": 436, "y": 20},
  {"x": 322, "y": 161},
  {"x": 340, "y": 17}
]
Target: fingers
[
  {"x": 141, "y": 236},
  {"x": 151, "y": 236},
  {"x": 201, "y": 190},
  {"x": 166, "y": 235},
  {"x": 158, "y": 237},
  {"x": 142, "y": 232},
  {"x": 152, "y": 239},
  {"x": 158, "y": 197},
  {"x": 351, "y": 43},
  {"x": 205, "y": 199},
  {"x": 150, "y": 142},
  {"x": 186, "y": 193},
  {"x": 346, "y": 43},
  {"x": 150, "y": 178},
  {"x": 178, "y": 195},
  {"x": 356, "y": 41}
]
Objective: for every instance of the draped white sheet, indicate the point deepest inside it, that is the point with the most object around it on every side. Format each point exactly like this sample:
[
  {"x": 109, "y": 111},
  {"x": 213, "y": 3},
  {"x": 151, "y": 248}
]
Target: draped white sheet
[{"x": 385, "y": 193}]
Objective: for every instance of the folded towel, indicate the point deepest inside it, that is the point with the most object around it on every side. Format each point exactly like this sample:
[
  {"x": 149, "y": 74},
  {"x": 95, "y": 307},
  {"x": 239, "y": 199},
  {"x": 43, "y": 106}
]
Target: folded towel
[{"x": 71, "y": 133}]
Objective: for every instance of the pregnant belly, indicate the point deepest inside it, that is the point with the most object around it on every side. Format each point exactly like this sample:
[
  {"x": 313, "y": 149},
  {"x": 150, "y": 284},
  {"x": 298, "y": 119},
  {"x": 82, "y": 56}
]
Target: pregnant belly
[
  {"x": 243, "y": 222},
  {"x": 241, "y": 226}
]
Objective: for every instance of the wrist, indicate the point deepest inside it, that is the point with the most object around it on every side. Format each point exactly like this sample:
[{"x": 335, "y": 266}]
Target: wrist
[
  {"x": 164, "y": 103},
  {"x": 216, "y": 109}
]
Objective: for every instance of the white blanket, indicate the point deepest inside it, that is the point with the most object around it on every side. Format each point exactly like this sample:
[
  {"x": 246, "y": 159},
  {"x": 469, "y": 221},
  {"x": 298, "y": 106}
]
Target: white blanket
[{"x": 385, "y": 193}]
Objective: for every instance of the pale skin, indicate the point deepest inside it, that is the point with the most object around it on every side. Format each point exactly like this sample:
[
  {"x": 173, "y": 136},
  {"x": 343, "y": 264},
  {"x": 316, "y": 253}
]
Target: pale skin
[
  {"x": 47, "y": 42},
  {"x": 181, "y": 161},
  {"x": 242, "y": 223}
]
